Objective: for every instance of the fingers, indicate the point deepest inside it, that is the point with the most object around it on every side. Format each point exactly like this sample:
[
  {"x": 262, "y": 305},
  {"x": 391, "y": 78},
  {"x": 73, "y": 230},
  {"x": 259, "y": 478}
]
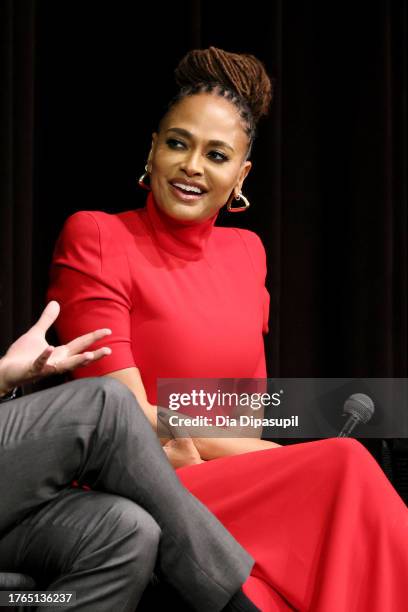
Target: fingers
[
  {"x": 80, "y": 344},
  {"x": 99, "y": 353},
  {"x": 181, "y": 444},
  {"x": 48, "y": 316},
  {"x": 76, "y": 361},
  {"x": 169, "y": 444},
  {"x": 42, "y": 359}
]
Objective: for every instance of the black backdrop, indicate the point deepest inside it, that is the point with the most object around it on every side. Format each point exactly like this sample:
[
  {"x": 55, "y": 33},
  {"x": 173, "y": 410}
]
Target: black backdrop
[{"x": 82, "y": 86}]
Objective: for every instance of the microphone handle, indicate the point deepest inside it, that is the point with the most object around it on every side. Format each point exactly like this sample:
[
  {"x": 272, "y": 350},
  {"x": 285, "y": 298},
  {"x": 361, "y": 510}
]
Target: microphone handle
[{"x": 351, "y": 422}]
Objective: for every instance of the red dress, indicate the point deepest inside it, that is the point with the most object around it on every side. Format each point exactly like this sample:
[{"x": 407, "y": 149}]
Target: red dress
[{"x": 327, "y": 530}]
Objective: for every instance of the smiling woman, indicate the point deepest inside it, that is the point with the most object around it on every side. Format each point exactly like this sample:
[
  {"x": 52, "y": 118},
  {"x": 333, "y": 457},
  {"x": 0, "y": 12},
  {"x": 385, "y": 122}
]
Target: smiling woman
[
  {"x": 201, "y": 147},
  {"x": 187, "y": 299}
]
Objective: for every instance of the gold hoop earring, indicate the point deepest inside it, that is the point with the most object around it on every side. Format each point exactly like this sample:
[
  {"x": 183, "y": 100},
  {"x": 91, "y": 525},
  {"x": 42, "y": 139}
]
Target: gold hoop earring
[
  {"x": 238, "y": 197},
  {"x": 141, "y": 181}
]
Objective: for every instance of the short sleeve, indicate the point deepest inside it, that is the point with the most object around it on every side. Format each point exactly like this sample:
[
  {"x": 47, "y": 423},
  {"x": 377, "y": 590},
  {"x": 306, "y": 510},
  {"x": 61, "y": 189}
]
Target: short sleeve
[{"x": 90, "y": 279}]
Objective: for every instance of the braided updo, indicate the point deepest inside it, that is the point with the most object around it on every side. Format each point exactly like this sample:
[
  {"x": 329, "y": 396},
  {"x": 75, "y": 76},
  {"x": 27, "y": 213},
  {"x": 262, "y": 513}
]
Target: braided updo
[{"x": 239, "y": 77}]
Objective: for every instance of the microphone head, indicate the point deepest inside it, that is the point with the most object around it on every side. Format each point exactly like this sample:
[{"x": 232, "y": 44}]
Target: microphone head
[{"x": 360, "y": 406}]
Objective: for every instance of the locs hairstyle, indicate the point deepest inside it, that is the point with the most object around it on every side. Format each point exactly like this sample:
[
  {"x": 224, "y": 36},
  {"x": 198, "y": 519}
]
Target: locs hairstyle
[{"x": 239, "y": 77}]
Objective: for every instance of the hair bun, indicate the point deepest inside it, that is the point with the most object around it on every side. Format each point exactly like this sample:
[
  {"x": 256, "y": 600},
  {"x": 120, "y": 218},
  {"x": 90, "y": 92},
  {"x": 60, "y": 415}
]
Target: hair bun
[{"x": 243, "y": 73}]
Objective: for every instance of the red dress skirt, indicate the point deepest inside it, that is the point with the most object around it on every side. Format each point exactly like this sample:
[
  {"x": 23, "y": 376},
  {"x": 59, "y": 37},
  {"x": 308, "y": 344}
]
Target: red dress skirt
[{"x": 328, "y": 531}]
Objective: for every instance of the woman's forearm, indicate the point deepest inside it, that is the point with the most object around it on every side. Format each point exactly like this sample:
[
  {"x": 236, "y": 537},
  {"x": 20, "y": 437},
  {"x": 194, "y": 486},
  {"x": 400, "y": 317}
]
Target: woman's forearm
[
  {"x": 208, "y": 447},
  {"x": 213, "y": 442}
]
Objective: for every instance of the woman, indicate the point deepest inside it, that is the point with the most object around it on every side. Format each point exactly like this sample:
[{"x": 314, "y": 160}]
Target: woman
[{"x": 187, "y": 299}]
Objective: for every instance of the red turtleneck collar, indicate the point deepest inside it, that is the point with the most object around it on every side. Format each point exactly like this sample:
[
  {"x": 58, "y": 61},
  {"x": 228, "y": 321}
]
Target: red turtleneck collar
[{"x": 181, "y": 238}]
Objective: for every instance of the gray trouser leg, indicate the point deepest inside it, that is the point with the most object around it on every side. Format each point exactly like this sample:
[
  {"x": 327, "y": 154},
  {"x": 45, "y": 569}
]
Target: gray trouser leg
[
  {"x": 93, "y": 431},
  {"x": 99, "y": 545}
]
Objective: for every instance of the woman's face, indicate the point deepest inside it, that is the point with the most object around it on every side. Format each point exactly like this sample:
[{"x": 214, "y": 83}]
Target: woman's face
[{"x": 198, "y": 157}]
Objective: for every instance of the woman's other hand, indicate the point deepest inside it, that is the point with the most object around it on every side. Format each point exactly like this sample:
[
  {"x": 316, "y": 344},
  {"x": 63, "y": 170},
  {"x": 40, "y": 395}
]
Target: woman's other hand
[{"x": 180, "y": 450}]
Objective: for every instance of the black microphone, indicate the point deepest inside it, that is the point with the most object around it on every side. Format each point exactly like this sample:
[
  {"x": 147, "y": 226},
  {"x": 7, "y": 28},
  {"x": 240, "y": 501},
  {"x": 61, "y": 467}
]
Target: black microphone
[{"x": 360, "y": 407}]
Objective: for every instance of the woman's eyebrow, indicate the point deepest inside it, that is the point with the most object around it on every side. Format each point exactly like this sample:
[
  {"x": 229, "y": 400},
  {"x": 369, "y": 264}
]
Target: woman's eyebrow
[{"x": 187, "y": 134}]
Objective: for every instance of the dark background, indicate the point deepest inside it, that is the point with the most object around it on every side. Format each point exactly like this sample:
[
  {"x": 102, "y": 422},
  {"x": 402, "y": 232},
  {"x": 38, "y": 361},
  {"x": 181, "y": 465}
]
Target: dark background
[{"x": 82, "y": 87}]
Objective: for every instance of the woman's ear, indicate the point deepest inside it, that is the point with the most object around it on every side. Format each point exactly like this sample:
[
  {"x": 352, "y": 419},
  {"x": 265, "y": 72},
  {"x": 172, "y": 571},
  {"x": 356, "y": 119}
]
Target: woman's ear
[
  {"x": 152, "y": 149},
  {"x": 246, "y": 167}
]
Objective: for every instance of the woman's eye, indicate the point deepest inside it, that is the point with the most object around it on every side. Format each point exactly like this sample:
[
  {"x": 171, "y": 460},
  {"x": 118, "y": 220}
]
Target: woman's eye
[
  {"x": 217, "y": 156},
  {"x": 174, "y": 143}
]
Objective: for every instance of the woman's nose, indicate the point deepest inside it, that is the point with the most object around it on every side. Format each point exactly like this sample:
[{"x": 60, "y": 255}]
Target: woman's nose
[{"x": 192, "y": 164}]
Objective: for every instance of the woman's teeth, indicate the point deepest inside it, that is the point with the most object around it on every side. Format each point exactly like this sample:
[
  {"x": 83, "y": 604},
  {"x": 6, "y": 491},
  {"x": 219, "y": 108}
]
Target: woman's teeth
[{"x": 188, "y": 188}]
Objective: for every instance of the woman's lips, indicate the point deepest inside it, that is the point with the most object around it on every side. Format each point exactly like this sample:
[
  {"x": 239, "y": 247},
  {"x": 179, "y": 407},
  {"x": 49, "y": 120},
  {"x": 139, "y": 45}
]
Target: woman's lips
[{"x": 184, "y": 196}]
